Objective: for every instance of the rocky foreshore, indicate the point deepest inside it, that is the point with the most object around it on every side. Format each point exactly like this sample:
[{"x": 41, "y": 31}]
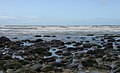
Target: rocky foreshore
[{"x": 86, "y": 54}]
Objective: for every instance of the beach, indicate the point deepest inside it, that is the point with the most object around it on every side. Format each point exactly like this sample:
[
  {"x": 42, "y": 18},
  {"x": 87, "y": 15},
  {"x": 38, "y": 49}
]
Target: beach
[{"x": 59, "y": 49}]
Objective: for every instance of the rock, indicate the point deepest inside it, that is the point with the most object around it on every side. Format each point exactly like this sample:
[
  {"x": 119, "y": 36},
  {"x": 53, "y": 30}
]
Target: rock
[
  {"x": 53, "y": 36},
  {"x": 7, "y": 57},
  {"x": 47, "y": 53},
  {"x": 4, "y": 39},
  {"x": 46, "y": 36},
  {"x": 59, "y": 52},
  {"x": 89, "y": 62},
  {"x": 58, "y": 64},
  {"x": 47, "y": 68},
  {"x": 77, "y": 44},
  {"x": 117, "y": 63},
  {"x": 108, "y": 45},
  {"x": 51, "y": 59},
  {"x": 80, "y": 48},
  {"x": 106, "y": 67},
  {"x": 111, "y": 40},
  {"x": 38, "y": 40},
  {"x": 117, "y": 70},
  {"x": 2, "y": 62},
  {"x": 36, "y": 67},
  {"x": 2, "y": 46},
  {"x": 87, "y": 45},
  {"x": 58, "y": 69},
  {"x": 12, "y": 65},
  {"x": 90, "y": 34},
  {"x": 39, "y": 50},
  {"x": 24, "y": 62},
  {"x": 25, "y": 70},
  {"x": 56, "y": 43},
  {"x": 66, "y": 53},
  {"x": 10, "y": 70},
  {"x": 37, "y": 36},
  {"x": 68, "y": 43}
]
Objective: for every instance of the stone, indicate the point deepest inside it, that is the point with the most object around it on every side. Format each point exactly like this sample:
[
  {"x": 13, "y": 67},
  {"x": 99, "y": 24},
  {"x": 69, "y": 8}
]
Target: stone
[
  {"x": 56, "y": 43},
  {"x": 4, "y": 39},
  {"x": 66, "y": 53},
  {"x": 87, "y": 45},
  {"x": 36, "y": 67},
  {"x": 58, "y": 64},
  {"x": 47, "y": 53},
  {"x": 10, "y": 70},
  {"x": 47, "y": 68},
  {"x": 38, "y": 40},
  {"x": 106, "y": 67},
  {"x": 59, "y": 52},
  {"x": 12, "y": 65},
  {"x": 39, "y": 50},
  {"x": 89, "y": 62},
  {"x": 37, "y": 36}
]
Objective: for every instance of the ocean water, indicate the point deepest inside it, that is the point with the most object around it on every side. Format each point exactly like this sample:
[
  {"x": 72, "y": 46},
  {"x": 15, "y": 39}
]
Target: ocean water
[{"x": 59, "y": 29}]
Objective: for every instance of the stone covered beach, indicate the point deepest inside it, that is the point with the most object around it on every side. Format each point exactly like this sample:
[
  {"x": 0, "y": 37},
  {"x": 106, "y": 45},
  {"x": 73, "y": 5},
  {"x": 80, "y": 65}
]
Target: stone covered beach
[{"x": 63, "y": 49}]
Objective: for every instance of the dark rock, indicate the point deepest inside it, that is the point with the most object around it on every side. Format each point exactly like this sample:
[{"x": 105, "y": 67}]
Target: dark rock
[
  {"x": 36, "y": 67},
  {"x": 2, "y": 62},
  {"x": 38, "y": 40},
  {"x": 51, "y": 59},
  {"x": 24, "y": 62},
  {"x": 89, "y": 62},
  {"x": 90, "y": 34},
  {"x": 39, "y": 50},
  {"x": 47, "y": 68},
  {"x": 80, "y": 48},
  {"x": 108, "y": 45},
  {"x": 78, "y": 44},
  {"x": 111, "y": 40},
  {"x": 2, "y": 46},
  {"x": 53, "y": 36},
  {"x": 117, "y": 70},
  {"x": 58, "y": 64},
  {"x": 106, "y": 67},
  {"x": 37, "y": 36},
  {"x": 87, "y": 45},
  {"x": 56, "y": 43},
  {"x": 12, "y": 65},
  {"x": 67, "y": 54},
  {"x": 47, "y": 53},
  {"x": 7, "y": 57},
  {"x": 58, "y": 70},
  {"x": 59, "y": 52},
  {"x": 68, "y": 43},
  {"x": 4, "y": 39},
  {"x": 15, "y": 38},
  {"x": 46, "y": 36}
]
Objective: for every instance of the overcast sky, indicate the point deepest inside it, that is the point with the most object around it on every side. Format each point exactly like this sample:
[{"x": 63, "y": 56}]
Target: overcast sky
[{"x": 60, "y": 12}]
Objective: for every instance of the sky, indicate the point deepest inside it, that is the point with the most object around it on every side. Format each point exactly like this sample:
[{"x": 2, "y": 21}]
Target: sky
[{"x": 62, "y": 12}]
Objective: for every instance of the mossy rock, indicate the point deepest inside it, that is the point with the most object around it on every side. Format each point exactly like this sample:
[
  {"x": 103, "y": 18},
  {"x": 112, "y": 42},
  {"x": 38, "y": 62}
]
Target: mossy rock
[
  {"x": 2, "y": 62},
  {"x": 12, "y": 65},
  {"x": 39, "y": 50}
]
